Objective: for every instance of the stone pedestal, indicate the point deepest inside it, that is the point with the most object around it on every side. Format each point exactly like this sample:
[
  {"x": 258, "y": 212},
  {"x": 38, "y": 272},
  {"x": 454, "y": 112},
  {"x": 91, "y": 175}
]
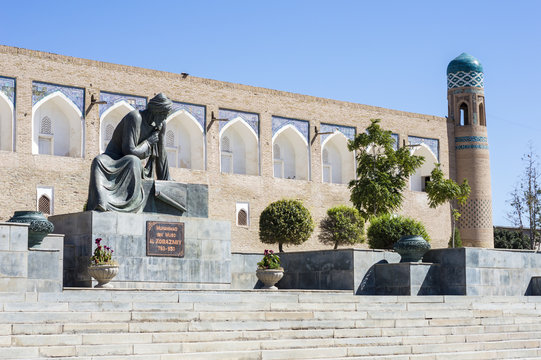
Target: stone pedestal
[
  {"x": 407, "y": 279},
  {"x": 29, "y": 270},
  {"x": 207, "y": 250}
]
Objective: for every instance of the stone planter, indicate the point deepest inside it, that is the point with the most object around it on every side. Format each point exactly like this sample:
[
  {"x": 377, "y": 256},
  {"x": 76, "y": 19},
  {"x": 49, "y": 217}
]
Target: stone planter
[
  {"x": 103, "y": 274},
  {"x": 38, "y": 228},
  {"x": 411, "y": 248},
  {"x": 269, "y": 277}
]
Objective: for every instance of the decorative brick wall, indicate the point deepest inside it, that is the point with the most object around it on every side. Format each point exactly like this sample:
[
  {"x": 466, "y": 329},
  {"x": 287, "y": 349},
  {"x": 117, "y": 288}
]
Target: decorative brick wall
[{"x": 23, "y": 172}]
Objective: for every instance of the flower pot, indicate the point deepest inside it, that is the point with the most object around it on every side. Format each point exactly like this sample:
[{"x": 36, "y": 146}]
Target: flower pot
[
  {"x": 269, "y": 277},
  {"x": 103, "y": 274},
  {"x": 39, "y": 225},
  {"x": 411, "y": 248}
]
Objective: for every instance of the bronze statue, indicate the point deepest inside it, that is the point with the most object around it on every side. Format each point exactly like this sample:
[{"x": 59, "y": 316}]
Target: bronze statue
[{"x": 116, "y": 176}]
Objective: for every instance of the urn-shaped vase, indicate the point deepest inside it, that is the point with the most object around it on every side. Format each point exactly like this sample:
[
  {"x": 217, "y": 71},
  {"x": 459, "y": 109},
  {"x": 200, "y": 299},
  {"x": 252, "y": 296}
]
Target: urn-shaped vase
[
  {"x": 103, "y": 274},
  {"x": 269, "y": 277},
  {"x": 38, "y": 228},
  {"x": 411, "y": 248}
]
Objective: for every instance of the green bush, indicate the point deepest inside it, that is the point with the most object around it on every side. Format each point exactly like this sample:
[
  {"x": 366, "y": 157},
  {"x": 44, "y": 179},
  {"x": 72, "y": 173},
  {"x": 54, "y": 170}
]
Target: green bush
[
  {"x": 387, "y": 229},
  {"x": 285, "y": 222},
  {"x": 343, "y": 225},
  {"x": 509, "y": 239},
  {"x": 458, "y": 240}
]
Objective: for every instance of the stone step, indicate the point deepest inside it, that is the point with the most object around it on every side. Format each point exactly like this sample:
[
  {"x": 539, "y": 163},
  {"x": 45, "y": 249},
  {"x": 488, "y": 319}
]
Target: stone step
[
  {"x": 126, "y": 324},
  {"x": 136, "y": 343},
  {"x": 29, "y": 335}
]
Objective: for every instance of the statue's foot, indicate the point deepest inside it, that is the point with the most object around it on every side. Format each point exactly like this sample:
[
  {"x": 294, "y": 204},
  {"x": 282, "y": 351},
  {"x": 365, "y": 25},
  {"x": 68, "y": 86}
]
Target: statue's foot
[{"x": 100, "y": 208}]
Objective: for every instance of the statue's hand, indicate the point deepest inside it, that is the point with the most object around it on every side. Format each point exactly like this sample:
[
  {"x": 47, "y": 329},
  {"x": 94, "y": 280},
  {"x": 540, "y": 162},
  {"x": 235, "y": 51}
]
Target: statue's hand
[{"x": 153, "y": 138}]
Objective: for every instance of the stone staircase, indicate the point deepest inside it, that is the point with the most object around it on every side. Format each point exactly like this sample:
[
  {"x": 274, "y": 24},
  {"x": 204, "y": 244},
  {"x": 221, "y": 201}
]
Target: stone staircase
[{"x": 91, "y": 324}]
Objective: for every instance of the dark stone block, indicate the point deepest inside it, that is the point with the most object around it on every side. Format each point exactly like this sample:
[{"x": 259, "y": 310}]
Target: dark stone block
[
  {"x": 197, "y": 201},
  {"x": 534, "y": 287},
  {"x": 308, "y": 280},
  {"x": 407, "y": 279},
  {"x": 340, "y": 280},
  {"x": 288, "y": 281}
]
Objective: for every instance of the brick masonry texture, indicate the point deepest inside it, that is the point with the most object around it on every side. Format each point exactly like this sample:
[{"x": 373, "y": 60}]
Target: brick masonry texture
[{"x": 23, "y": 172}]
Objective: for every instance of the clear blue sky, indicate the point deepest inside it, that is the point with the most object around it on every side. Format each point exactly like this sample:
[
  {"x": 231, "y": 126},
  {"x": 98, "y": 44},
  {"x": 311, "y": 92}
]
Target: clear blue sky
[{"x": 391, "y": 54}]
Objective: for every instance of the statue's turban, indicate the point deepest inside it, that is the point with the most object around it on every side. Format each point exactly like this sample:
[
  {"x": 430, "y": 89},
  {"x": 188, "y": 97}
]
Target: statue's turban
[{"x": 160, "y": 104}]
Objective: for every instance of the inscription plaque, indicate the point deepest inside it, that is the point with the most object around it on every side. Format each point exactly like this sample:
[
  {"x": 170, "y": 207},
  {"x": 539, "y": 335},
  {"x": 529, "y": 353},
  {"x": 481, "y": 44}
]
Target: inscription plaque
[{"x": 165, "y": 239}]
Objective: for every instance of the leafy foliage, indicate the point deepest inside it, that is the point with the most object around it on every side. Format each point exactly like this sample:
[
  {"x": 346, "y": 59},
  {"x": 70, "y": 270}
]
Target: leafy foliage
[
  {"x": 509, "y": 239},
  {"x": 458, "y": 240},
  {"x": 270, "y": 261},
  {"x": 382, "y": 171},
  {"x": 384, "y": 231},
  {"x": 441, "y": 190},
  {"x": 343, "y": 225},
  {"x": 102, "y": 254},
  {"x": 285, "y": 222}
]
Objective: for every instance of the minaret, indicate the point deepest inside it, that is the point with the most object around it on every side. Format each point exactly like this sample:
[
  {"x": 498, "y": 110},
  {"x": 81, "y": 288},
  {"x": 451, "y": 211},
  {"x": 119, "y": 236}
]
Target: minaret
[{"x": 466, "y": 99}]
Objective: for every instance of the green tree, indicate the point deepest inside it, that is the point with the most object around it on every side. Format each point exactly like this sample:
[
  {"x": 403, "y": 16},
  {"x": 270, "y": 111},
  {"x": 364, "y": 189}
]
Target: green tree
[
  {"x": 441, "y": 190},
  {"x": 285, "y": 222},
  {"x": 343, "y": 225},
  {"x": 509, "y": 239},
  {"x": 382, "y": 171},
  {"x": 385, "y": 230}
]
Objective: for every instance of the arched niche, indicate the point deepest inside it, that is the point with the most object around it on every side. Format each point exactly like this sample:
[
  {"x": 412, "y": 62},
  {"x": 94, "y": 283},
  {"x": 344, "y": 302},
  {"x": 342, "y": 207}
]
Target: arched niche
[
  {"x": 66, "y": 126},
  {"x": 239, "y": 148},
  {"x": 463, "y": 113},
  {"x": 110, "y": 119},
  {"x": 6, "y": 123},
  {"x": 422, "y": 175},
  {"x": 338, "y": 163},
  {"x": 293, "y": 148},
  {"x": 185, "y": 141},
  {"x": 482, "y": 116}
]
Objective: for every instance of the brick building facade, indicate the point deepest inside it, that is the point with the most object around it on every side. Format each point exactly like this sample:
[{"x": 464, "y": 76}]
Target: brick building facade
[{"x": 39, "y": 162}]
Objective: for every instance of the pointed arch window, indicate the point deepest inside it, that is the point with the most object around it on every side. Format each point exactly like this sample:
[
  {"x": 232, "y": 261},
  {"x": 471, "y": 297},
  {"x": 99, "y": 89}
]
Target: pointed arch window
[
  {"x": 44, "y": 205},
  {"x": 171, "y": 148},
  {"x": 45, "y": 199},
  {"x": 327, "y": 169},
  {"x": 242, "y": 218},
  {"x": 464, "y": 117},
  {"x": 45, "y": 127},
  {"x": 243, "y": 214},
  {"x": 57, "y": 126},
  {"x": 278, "y": 162},
  {"x": 45, "y": 137},
  {"x": 227, "y": 156},
  {"x": 109, "y": 130}
]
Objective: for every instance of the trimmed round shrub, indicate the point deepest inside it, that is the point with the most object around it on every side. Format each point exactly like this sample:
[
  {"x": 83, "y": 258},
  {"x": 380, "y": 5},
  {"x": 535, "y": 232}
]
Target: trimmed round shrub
[
  {"x": 343, "y": 225},
  {"x": 384, "y": 231},
  {"x": 285, "y": 222}
]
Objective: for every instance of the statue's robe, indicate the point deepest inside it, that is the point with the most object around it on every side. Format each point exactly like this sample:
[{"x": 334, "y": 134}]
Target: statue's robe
[{"x": 116, "y": 176}]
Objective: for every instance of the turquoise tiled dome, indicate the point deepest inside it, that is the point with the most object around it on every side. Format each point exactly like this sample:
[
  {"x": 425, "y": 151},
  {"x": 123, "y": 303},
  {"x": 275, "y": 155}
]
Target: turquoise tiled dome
[
  {"x": 465, "y": 71},
  {"x": 464, "y": 62}
]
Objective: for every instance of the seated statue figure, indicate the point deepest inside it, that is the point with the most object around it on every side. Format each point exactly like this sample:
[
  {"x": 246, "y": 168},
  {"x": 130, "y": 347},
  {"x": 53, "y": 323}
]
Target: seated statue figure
[{"x": 116, "y": 176}]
